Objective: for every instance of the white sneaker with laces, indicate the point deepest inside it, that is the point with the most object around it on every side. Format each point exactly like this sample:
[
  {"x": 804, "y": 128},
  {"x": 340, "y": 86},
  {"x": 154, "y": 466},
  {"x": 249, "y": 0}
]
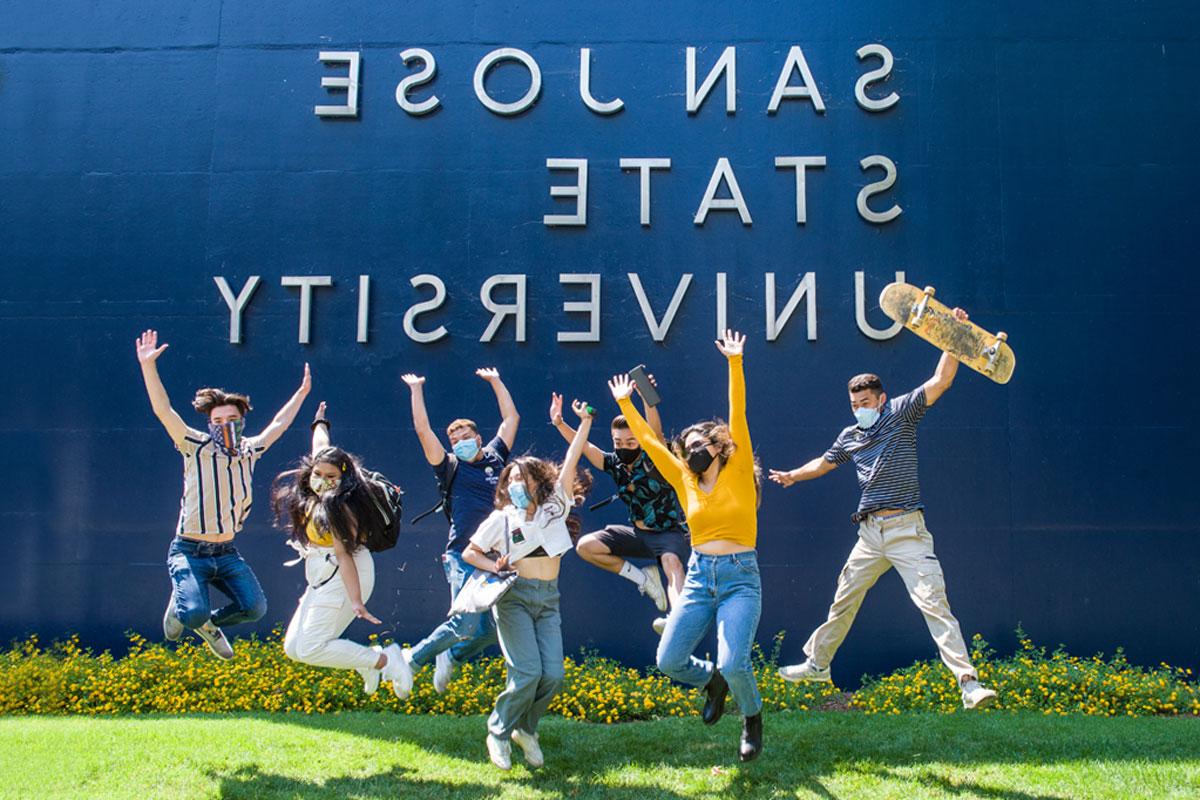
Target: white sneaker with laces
[
  {"x": 975, "y": 695},
  {"x": 653, "y": 587},
  {"x": 214, "y": 637},
  {"x": 443, "y": 671},
  {"x": 806, "y": 671},
  {"x": 370, "y": 675},
  {"x": 659, "y": 625},
  {"x": 500, "y": 752},
  {"x": 398, "y": 670},
  {"x": 528, "y": 742},
  {"x": 172, "y": 627}
]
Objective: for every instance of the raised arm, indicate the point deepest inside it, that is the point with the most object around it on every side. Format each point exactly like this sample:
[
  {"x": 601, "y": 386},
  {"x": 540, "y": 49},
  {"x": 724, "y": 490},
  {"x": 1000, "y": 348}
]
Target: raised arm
[
  {"x": 595, "y": 455},
  {"x": 947, "y": 368},
  {"x": 670, "y": 466},
  {"x": 287, "y": 414},
  {"x": 732, "y": 345},
  {"x": 813, "y": 469},
  {"x": 148, "y": 351},
  {"x": 434, "y": 452},
  {"x": 320, "y": 430},
  {"x": 566, "y": 474},
  {"x": 510, "y": 419}
]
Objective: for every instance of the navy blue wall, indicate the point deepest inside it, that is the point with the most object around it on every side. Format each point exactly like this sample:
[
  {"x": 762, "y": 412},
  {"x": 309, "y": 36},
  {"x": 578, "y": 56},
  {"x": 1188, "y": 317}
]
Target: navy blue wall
[{"x": 1047, "y": 178}]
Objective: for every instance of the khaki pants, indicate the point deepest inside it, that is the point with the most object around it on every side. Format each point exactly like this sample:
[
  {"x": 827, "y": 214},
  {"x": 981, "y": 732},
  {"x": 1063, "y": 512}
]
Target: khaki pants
[{"x": 903, "y": 542}]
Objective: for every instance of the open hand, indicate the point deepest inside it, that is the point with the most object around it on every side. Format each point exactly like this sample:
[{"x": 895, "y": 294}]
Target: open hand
[
  {"x": 306, "y": 381},
  {"x": 361, "y": 612},
  {"x": 581, "y": 409},
  {"x": 555, "y": 408},
  {"x": 148, "y": 350},
  {"x": 489, "y": 374},
  {"x": 732, "y": 343},
  {"x": 783, "y": 477},
  {"x": 412, "y": 380},
  {"x": 620, "y": 386}
]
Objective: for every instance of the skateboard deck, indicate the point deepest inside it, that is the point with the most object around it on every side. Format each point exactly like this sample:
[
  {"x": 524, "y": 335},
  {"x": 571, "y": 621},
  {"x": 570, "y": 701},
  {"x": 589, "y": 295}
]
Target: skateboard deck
[{"x": 986, "y": 353}]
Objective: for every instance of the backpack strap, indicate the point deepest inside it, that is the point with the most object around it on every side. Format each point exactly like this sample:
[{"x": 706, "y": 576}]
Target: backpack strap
[{"x": 444, "y": 487}]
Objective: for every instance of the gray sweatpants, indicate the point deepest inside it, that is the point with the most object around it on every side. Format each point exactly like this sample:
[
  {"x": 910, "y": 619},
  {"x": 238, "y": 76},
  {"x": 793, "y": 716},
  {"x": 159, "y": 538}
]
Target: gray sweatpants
[{"x": 529, "y": 627}]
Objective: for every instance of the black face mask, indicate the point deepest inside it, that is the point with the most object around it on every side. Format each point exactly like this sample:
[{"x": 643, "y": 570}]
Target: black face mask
[
  {"x": 700, "y": 460},
  {"x": 627, "y": 455}
]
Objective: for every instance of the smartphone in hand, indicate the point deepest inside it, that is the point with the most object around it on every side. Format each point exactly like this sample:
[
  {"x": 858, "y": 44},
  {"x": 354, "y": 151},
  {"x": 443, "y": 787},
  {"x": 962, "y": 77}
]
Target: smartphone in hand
[{"x": 645, "y": 388}]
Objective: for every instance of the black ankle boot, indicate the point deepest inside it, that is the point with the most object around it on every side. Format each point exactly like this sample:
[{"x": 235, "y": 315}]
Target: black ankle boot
[
  {"x": 714, "y": 704},
  {"x": 752, "y": 743}
]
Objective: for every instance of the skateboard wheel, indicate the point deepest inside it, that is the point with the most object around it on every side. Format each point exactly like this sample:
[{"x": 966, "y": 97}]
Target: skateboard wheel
[
  {"x": 1002, "y": 336},
  {"x": 929, "y": 291}
]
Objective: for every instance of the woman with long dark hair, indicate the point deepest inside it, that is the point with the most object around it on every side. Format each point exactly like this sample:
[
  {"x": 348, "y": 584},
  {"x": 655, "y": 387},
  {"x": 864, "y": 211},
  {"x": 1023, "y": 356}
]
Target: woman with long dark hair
[
  {"x": 530, "y": 531},
  {"x": 712, "y": 470},
  {"x": 328, "y": 505}
]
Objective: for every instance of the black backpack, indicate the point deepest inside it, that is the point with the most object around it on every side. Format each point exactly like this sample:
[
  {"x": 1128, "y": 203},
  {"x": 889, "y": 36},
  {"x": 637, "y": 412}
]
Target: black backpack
[
  {"x": 389, "y": 502},
  {"x": 444, "y": 486}
]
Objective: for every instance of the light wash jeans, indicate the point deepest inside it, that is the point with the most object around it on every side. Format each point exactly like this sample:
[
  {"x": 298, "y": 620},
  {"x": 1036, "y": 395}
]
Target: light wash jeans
[
  {"x": 726, "y": 590},
  {"x": 464, "y": 635},
  {"x": 529, "y": 626}
]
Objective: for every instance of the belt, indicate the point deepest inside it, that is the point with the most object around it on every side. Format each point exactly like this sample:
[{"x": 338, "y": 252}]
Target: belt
[{"x": 859, "y": 517}]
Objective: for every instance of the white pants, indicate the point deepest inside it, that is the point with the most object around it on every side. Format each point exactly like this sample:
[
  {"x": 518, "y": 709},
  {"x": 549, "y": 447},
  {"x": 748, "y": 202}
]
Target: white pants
[
  {"x": 325, "y": 612},
  {"x": 905, "y": 543}
]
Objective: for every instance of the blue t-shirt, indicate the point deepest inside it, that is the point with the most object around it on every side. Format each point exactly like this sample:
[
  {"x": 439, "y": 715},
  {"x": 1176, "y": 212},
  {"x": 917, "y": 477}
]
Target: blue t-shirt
[
  {"x": 473, "y": 493},
  {"x": 885, "y": 455}
]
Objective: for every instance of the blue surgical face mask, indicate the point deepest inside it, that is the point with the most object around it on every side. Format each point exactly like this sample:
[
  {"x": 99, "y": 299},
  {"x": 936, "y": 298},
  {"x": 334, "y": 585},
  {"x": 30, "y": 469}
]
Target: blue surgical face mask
[
  {"x": 519, "y": 495},
  {"x": 866, "y": 417},
  {"x": 466, "y": 449}
]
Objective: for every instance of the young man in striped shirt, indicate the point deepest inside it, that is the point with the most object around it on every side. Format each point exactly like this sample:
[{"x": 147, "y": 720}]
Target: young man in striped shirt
[
  {"x": 891, "y": 525},
  {"x": 218, "y": 468}
]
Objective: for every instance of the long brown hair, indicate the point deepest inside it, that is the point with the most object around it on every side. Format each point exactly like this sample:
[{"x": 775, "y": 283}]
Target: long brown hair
[{"x": 717, "y": 432}]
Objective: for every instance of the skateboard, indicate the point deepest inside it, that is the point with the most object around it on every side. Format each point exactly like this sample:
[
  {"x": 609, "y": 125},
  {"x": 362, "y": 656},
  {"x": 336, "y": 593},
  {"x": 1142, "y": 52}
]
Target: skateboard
[{"x": 986, "y": 353}]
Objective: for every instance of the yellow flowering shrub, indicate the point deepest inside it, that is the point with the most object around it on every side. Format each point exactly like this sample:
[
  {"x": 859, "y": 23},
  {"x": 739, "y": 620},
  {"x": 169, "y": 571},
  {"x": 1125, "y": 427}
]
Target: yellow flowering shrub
[
  {"x": 66, "y": 678},
  {"x": 1034, "y": 680}
]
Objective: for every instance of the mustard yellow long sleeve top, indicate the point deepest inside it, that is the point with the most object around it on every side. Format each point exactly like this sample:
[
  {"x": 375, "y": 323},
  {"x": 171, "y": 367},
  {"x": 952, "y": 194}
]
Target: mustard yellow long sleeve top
[{"x": 730, "y": 510}]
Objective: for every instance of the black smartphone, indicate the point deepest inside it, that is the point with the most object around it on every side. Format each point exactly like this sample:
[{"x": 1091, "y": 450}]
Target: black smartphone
[{"x": 644, "y": 386}]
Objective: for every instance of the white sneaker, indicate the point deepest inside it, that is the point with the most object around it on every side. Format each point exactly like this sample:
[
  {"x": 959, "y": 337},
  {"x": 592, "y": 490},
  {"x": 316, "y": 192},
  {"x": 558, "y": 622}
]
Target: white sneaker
[
  {"x": 528, "y": 742},
  {"x": 214, "y": 637},
  {"x": 659, "y": 625},
  {"x": 398, "y": 670},
  {"x": 443, "y": 671},
  {"x": 370, "y": 675},
  {"x": 172, "y": 627},
  {"x": 975, "y": 695},
  {"x": 653, "y": 587},
  {"x": 807, "y": 671},
  {"x": 500, "y": 752}
]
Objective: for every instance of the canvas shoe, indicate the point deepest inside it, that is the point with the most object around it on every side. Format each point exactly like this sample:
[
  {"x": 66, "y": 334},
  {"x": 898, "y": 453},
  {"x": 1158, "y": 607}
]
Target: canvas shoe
[
  {"x": 653, "y": 587},
  {"x": 214, "y": 637},
  {"x": 807, "y": 671},
  {"x": 659, "y": 625},
  {"x": 500, "y": 752},
  {"x": 528, "y": 742},
  {"x": 398, "y": 670},
  {"x": 370, "y": 675},
  {"x": 975, "y": 695},
  {"x": 443, "y": 671},
  {"x": 172, "y": 627}
]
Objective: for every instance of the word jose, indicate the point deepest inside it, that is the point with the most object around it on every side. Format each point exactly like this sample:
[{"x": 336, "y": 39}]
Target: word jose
[{"x": 805, "y": 289}]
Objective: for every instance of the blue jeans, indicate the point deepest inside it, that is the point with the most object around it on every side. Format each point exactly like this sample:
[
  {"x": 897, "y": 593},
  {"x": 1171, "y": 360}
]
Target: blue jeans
[
  {"x": 464, "y": 635},
  {"x": 725, "y": 589},
  {"x": 195, "y": 566},
  {"x": 530, "y": 631}
]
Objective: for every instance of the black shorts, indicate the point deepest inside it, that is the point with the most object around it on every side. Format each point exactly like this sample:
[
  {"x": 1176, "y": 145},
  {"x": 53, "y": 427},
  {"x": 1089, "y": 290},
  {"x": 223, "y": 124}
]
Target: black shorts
[{"x": 627, "y": 541}]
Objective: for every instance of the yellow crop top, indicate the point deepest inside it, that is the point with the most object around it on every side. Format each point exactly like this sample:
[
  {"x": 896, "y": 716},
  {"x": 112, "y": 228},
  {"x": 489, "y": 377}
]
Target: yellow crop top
[
  {"x": 730, "y": 510},
  {"x": 319, "y": 538}
]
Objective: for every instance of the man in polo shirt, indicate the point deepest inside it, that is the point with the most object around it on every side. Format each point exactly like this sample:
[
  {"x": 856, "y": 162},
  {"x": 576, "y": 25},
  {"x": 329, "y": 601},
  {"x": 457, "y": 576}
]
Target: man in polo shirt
[
  {"x": 656, "y": 529},
  {"x": 218, "y": 471},
  {"x": 891, "y": 525},
  {"x": 471, "y": 473}
]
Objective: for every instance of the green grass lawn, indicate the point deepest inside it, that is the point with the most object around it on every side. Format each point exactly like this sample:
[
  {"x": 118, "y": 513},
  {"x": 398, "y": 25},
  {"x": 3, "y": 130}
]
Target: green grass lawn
[{"x": 370, "y": 755}]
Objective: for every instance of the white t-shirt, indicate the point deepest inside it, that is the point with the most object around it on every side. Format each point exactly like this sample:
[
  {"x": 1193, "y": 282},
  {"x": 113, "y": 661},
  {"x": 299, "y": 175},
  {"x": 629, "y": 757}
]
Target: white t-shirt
[{"x": 507, "y": 530}]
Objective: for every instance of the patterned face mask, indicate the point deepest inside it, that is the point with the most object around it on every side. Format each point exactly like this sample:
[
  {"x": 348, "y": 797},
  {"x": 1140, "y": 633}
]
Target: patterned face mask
[
  {"x": 321, "y": 485},
  {"x": 227, "y": 436}
]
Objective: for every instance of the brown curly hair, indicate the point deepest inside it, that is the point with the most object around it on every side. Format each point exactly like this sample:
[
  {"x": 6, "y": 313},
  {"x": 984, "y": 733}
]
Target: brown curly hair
[
  {"x": 545, "y": 476},
  {"x": 717, "y": 432},
  {"x": 208, "y": 398}
]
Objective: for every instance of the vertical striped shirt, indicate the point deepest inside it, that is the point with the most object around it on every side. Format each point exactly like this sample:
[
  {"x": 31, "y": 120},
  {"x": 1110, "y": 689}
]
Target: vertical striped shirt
[
  {"x": 216, "y": 487},
  {"x": 885, "y": 455}
]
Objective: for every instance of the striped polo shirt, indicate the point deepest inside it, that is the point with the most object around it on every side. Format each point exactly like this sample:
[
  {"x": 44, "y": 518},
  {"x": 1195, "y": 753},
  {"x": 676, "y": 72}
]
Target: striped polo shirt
[
  {"x": 885, "y": 455},
  {"x": 216, "y": 487}
]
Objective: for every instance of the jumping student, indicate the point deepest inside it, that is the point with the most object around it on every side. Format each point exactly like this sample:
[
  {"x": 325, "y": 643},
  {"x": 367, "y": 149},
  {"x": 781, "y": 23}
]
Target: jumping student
[
  {"x": 656, "y": 529},
  {"x": 218, "y": 471},
  {"x": 467, "y": 479},
  {"x": 529, "y": 531},
  {"x": 332, "y": 509},
  {"x": 712, "y": 470},
  {"x": 891, "y": 525}
]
